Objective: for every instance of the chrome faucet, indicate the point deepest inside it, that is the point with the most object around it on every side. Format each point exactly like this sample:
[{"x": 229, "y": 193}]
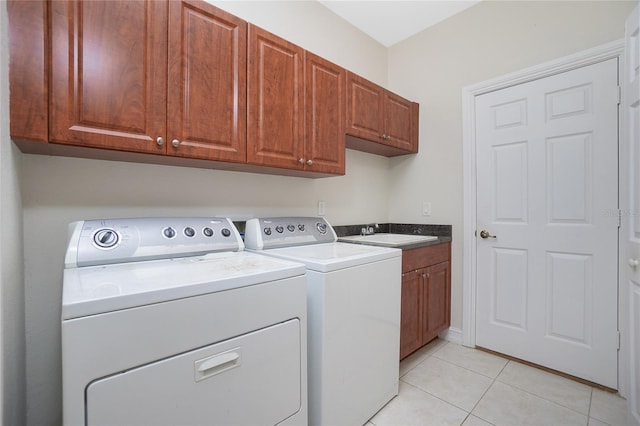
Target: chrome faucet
[{"x": 369, "y": 229}]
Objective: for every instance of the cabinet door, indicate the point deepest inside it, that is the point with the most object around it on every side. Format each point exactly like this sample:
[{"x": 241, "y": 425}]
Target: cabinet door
[
  {"x": 411, "y": 312},
  {"x": 207, "y": 82},
  {"x": 276, "y": 101},
  {"x": 364, "y": 108},
  {"x": 324, "y": 115},
  {"x": 437, "y": 300},
  {"x": 108, "y": 74},
  {"x": 28, "y": 75},
  {"x": 398, "y": 117}
]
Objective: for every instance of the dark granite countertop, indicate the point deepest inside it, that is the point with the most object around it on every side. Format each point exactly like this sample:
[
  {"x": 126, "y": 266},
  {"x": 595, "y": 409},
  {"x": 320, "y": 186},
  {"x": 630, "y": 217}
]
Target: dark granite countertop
[{"x": 443, "y": 232}]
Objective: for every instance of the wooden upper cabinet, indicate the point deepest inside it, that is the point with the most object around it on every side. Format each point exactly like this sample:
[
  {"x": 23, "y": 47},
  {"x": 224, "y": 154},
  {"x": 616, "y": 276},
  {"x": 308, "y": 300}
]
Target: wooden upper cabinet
[
  {"x": 324, "y": 115},
  {"x": 109, "y": 74},
  {"x": 398, "y": 121},
  {"x": 28, "y": 74},
  {"x": 365, "y": 117},
  {"x": 275, "y": 101},
  {"x": 377, "y": 115},
  {"x": 207, "y": 83}
]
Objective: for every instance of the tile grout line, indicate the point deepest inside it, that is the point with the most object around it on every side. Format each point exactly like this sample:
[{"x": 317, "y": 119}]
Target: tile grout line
[
  {"x": 549, "y": 400},
  {"x": 485, "y": 392},
  {"x": 589, "y": 410},
  {"x": 473, "y": 371},
  {"x": 440, "y": 399}
]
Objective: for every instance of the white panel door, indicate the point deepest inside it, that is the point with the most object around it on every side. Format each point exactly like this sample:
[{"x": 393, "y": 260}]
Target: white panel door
[
  {"x": 547, "y": 191},
  {"x": 631, "y": 109}
]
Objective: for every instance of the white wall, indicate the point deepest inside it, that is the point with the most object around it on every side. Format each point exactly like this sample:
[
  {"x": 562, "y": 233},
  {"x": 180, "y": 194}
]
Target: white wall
[
  {"x": 485, "y": 41},
  {"x": 12, "y": 346},
  {"x": 58, "y": 190}
]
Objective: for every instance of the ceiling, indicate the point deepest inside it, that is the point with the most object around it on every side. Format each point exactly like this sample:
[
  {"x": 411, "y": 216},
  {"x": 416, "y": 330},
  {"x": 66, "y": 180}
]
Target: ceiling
[{"x": 389, "y": 22}]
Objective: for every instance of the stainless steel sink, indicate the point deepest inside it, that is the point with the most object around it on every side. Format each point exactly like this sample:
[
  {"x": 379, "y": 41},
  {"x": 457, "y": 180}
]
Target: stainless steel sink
[{"x": 389, "y": 240}]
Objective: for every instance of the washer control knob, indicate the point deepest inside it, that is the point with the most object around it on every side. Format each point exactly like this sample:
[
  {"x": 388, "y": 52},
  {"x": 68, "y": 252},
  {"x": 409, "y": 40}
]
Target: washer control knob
[
  {"x": 208, "y": 232},
  {"x": 291, "y": 228},
  {"x": 267, "y": 231},
  {"x": 301, "y": 227},
  {"x": 279, "y": 229},
  {"x": 322, "y": 227},
  {"x": 225, "y": 232},
  {"x": 106, "y": 238},
  {"x": 169, "y": 232},
  {"x": 189, "y": 231}
]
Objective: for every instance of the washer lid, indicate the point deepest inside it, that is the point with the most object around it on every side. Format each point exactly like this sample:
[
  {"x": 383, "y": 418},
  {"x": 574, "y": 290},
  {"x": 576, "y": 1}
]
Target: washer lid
[
  {"x": 97, "y": 289},
  {"x": 333, "y": 256}
]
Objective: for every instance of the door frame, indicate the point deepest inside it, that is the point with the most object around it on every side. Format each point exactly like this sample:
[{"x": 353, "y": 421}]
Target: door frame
[{"x": 591, "y": 56}]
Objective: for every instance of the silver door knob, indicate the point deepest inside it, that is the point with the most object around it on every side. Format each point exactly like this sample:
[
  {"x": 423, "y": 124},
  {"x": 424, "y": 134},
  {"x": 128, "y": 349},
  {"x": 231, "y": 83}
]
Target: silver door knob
[
  {"x": 160, "y": 141},
  {"x": 485, "y": 234},
  {"x": 634, "y": 263},
  {"x": 175, "y": 143}
]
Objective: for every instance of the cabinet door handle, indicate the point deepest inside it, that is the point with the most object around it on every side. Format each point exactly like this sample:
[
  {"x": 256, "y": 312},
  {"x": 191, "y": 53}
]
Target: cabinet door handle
[
  {"x": 309, "y": 162},
  {"x": 160, "y": 141},
  {"x": 301, "y": 160},
  {"x": 175, "y": 143}
]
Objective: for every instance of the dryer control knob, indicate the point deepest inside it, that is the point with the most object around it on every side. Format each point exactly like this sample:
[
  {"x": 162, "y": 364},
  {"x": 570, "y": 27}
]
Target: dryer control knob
[
  {"x": 291, "y": 228},
  {"x": 225, "y": 232},
  {"x": 322, "y": 227},
  {"x": 169, "y": 232},
  {"x": 279, "y": 229},
  {"x": 106, "y": 238},
  {"x": 267, "y": 231},
  {"x": 301, "y": 227}
]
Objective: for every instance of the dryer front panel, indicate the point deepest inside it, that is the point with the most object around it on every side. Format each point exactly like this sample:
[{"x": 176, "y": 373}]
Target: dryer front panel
[{"x": 251, "y": 379}]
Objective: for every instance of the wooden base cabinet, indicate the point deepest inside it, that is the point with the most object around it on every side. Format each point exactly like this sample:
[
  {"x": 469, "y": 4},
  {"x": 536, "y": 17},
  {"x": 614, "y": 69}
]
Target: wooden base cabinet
[{"x": 426, "y": 296}]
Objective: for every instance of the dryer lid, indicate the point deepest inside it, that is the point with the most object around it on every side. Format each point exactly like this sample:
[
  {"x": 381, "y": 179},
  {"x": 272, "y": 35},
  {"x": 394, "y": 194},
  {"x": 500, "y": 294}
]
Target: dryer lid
[{"x": 98, "y": 289}]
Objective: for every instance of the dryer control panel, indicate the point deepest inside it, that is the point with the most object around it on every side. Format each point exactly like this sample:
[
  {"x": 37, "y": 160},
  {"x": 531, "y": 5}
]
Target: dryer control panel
[
  {"x": 100, "y": 242},
  {"x": 272, "y": 232}
]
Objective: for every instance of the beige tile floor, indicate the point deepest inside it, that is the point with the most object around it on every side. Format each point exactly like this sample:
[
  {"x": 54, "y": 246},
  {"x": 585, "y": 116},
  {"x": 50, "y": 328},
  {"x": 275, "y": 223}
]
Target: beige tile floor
[{"x": 448, "y": 384}]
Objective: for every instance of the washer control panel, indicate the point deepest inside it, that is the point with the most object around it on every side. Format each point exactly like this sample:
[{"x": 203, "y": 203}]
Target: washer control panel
[
  {"x": 272, "y": 232},
  {"x": 99, "y": 242}
]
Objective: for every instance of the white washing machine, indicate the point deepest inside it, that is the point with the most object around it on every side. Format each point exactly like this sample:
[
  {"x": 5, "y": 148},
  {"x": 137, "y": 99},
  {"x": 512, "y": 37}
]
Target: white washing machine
[
  {"x": 167, "y": 321},
  {"x": 353, "y": 305}
]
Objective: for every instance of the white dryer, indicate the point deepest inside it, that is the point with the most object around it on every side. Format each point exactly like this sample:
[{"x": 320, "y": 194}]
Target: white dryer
[
  {"x": 353, "y": 305},
  {"x": 166, "y": 321}
]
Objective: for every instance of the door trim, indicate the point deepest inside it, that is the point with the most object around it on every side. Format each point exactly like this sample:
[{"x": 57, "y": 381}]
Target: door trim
[{"x": 597, "y": 54}]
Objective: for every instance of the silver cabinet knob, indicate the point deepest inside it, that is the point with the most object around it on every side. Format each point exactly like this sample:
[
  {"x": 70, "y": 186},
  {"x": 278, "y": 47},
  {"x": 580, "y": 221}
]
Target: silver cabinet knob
[
  {"x": 175, "y": 143},
  {"x": 383, "y": 136},
  {"x": 309, "y": 162},
  {"x": 301, "y": 161},
  {"x": 160, "y": 141}
]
